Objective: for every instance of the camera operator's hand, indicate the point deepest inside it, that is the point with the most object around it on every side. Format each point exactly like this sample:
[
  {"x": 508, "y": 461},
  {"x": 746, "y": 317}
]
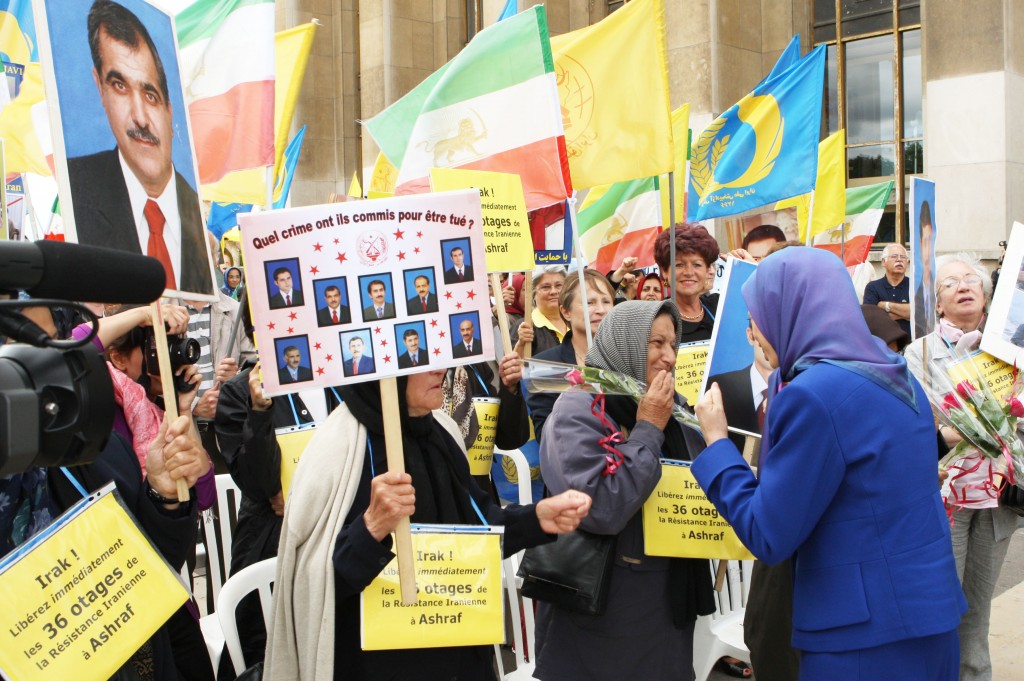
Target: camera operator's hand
[
  {"x": 175, "y": 454},
  {"x": 206, "y": 408},
  {"x": 227, "y": 368},
  {"x": 175, "y": 319},
  {"x": 190, "y": 373},
  {"x": 259, "y": 402}
]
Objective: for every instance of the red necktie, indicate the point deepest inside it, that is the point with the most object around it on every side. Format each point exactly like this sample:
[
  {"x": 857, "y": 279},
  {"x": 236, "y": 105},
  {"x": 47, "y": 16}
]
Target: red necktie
[
  {"x": 334, "y": 316},
  {"x": 424, "y": 301},
  {"x": 355, "y": 366},
  {"x": 156, "y": 247},
  {"x": 288, "y": 299},
  {"x": 761, "y": 411},
  {"x": 461, "y": 275}
]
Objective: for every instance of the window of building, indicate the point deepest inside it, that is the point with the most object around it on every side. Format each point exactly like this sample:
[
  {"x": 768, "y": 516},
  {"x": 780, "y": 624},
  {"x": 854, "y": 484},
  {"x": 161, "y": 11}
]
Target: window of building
[{"x": 874, "y": 84}]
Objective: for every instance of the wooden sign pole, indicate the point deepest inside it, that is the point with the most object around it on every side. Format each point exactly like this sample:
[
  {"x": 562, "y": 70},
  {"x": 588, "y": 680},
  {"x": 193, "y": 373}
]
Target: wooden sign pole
[
  {"x": 396, "y": 462},
  {"x": 166, "y": 379},
  {"x": 528, "y": 311},
  {"x": 499, "y": 302}
]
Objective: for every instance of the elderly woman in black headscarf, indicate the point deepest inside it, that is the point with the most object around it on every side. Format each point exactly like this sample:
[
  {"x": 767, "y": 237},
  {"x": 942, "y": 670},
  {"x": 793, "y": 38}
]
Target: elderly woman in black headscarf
[
  {"x": 646, "y": 629},
  {"x": 339, "y": 516}
]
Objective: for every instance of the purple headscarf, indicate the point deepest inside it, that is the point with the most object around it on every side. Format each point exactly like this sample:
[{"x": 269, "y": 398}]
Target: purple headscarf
[{"x": 802, "y": 300}]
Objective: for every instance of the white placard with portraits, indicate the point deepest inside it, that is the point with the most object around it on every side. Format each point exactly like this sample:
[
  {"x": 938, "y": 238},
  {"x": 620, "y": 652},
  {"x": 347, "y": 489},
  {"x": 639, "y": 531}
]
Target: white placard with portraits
[
  {"x": 359, "y": 291},
  {"x": 1004, "y": 329}
]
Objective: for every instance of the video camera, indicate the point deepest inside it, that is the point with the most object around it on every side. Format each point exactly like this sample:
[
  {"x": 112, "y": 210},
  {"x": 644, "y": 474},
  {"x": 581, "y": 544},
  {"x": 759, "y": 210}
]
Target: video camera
[{"x": 56, "y": 396}]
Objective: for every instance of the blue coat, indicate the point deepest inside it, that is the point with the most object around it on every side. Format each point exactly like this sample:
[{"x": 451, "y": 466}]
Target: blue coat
[{"x": 850, "y": 489}]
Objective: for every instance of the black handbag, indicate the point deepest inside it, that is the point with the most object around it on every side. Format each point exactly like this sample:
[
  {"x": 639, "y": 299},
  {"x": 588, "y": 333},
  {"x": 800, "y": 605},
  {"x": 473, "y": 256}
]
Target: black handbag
[
  {"x": 1012, "y": 497},
  {"x": 572, "y": 572}
]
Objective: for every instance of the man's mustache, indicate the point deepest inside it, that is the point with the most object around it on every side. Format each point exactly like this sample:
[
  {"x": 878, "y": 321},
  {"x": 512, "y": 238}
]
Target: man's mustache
[{"x": 143, "y": 135}]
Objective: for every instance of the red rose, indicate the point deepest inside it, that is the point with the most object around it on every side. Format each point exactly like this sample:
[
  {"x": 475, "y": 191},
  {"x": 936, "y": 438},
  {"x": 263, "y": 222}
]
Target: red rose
[
  {"x": 1016, "y": 407},
  {"x": 966, "y": 389},
  {"x": 949, "y": 403}
]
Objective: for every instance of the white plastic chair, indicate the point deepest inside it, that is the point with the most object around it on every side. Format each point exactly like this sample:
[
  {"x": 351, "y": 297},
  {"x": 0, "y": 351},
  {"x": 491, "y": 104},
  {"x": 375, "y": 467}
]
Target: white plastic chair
[
  {"x": 218, "y": 526},
  {"x": 257, "y": 577},
  {"x": 721, "y": 634},
  {"x": 520, "y": 608}
]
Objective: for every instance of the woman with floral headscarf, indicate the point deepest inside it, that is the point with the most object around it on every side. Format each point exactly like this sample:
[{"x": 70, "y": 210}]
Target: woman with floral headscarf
[{"x": 847, "y": 482}]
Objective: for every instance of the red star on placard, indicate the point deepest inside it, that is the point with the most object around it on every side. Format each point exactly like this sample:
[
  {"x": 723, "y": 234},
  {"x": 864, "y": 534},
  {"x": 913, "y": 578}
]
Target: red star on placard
[
  {"x": 316, "y": 346},
  {"x": 447, "y": 295},
  {"x": 416, "y": 250},
  {"x": 317, "y": 247},
  {"x": 437, "y": 351},
  {"x": 270, "y": 326},
  {"x": 341, "y": 258},
  {"x": 376, "y": 329},
  {"x": 398, "y": 234},
  {"x": 441, "y": 334},
  {"x": 335, "y": 242},
  {"x": 330, "y": 357},
  {"x": 387, "y": 359},
  {"x": 471, "y": 294},
  {"x": 291, "y": 329},
  {"x": 313, "y": 269},
  {"x": 319, "y": 371},
  {"x": 293, "y": 315},
  {"x": 433, "y": 322},
  {"x": 419, "y": 235},
  {"x": 383, "y": 342},
  {"x": 401, "y": 255},
  {"x": 458, "y": 306}
]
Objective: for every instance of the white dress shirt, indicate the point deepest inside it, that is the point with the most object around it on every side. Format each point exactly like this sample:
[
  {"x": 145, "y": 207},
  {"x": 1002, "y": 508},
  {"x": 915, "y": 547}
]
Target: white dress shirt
[{"x": 168, "y": 202}]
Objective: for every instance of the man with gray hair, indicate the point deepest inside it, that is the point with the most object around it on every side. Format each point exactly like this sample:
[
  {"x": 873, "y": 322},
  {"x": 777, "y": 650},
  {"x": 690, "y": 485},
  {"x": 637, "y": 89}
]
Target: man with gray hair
[{"x": 892, "y": 292}]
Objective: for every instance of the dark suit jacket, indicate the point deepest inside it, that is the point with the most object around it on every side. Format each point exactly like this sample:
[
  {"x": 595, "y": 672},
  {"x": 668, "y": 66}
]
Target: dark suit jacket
[
  {"x": 451, "y": 277},
  {"x": 103, "y": 216},
  {"x": 460, "y": 351},
  {"x": 737, "y": 398},
  {"x": 370, "y": 314},
  {"x": 365, "y": 366},
  {"x": 404, "y": 362},
  {"x": 416, "y": 307},
  {"x": 305, "y": 374},
  {"x": 277, "y": 300},
  {"x": 323, "y": 316}
]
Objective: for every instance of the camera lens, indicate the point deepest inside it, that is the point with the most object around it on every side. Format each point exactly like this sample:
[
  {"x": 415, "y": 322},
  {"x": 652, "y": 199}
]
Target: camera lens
[{"x": 183, "y": 351}]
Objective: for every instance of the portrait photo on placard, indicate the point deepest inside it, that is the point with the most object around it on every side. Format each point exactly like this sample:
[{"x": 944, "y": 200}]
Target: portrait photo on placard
[
  {"x": 465, "y": 334},
  {"x": 293, "y": 359},
  {"x": 457, "y": 261},
  {"x": 123, "y": 156},
  {"x": 1003, "y": 336},
  {"x": 284, "y": 283},
  {"x": 377, "y": 296},
  {"x": 357, "y": 353},
  {"x": 421, "y": 289},
  {"x": 411, "y": 345},
  {"x": 331, "y": 301}
]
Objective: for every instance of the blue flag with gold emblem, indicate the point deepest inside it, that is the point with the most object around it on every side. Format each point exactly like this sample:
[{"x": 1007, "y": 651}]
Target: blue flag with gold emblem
[{"x": 764, "y": 148}]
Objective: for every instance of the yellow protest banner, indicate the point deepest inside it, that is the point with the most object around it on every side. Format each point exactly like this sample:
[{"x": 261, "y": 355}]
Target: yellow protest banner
[
  {"x": 82, "y": 596},
  {"x": 506, "y": 227},
  {"x": 997, "y": 373},
  {"x": 458, "y": 577},
  {"x": 680, "y": 522},
  {"x": 481, "y": 452},
  {"x": 292, "y": 441},
  {"x": 691, "y": 361}
]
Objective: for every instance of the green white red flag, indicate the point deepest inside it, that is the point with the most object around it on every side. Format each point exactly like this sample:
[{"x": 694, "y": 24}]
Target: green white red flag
[
  {"x": 624, "y": 220},
  {"x": 493, "y": 107},
  {"x": 864, "y": 208},
  {"x": 226, "y": 48}
]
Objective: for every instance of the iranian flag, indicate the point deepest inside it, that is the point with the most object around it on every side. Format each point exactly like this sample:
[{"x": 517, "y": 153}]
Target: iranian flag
[
  {"x": 493, "y": 107},
  {"x": 864, "y": 208},
  {"x": 227, "y": 71},
  {"x": 618, "y": 221}
]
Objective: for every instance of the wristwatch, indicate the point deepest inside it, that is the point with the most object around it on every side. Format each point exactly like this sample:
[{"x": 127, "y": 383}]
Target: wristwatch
[{"x": 888, "y": 307}]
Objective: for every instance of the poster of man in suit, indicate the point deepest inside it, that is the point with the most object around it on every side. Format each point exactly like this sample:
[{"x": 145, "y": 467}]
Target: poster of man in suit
[
  {"x": 466, "y": 335},
  {"x": 293, "y": 363},
  {"x": 122, "y": 145},
  {"x": 378, "y": 298},
  {"x": 424, "y": 295},
  {"x": 357, "y": 352},
  {"x": 411, "y": 339},
  {"x": 331, "y": 302},
  {"x": 458, "y": 264}
]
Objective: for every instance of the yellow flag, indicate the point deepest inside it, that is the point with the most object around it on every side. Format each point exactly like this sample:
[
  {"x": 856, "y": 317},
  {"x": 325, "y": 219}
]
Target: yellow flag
[
  {"x": 355, "y": 189},
  {"x": 680, "y": 152},
  {"x": 382, "y": 180},
  {"x": 613, "y": 87},
  {"x": 292, "y": 53},
  {"x": 829, "y": 192},
  {"x": 23, "y": 149}
]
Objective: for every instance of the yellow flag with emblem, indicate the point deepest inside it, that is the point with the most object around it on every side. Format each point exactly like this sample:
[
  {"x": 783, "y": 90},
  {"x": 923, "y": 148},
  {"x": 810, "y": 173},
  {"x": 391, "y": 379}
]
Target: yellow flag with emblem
[
  {"x": 829, "y": 192},
  {"x": 613, "y": 88}
]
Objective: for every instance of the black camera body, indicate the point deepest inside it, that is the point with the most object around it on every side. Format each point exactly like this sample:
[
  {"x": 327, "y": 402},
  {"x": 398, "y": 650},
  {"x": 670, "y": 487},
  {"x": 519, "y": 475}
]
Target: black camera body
[{"x": 183, "y": 351}]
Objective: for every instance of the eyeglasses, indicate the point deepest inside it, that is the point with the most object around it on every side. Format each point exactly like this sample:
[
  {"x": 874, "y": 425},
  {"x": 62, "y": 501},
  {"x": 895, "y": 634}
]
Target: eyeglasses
[
  {"x": 548, "y": 288},
  {"x": 896, "y": 257},
  {"x": 953, "y": 282}
]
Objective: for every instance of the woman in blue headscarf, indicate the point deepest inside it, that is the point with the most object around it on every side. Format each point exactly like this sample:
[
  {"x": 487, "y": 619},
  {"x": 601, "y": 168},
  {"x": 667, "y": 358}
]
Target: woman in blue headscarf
[{"x": 848, "y": 486}]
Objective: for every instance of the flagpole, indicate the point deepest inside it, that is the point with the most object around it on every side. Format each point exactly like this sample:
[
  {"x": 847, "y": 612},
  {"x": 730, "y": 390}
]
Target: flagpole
[
  {"x": 580, "y": 266},
  {"x": 672, "y": 231},
  {"x": 270, "y": 188},
  {"x": 810, "y": 218},
  {"x": 30, "y": 210}
]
